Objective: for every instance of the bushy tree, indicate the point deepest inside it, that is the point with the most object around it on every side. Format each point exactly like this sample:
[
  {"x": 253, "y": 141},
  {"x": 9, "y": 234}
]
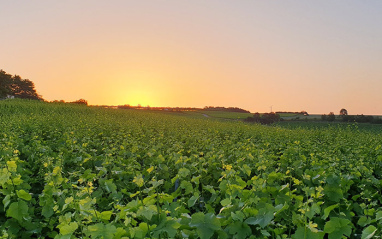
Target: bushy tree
[
  {"x": 5, "y": 82},
  {"x": 266, "y": 118},
  {"x": 80, "y": 102},
  {"x": 331, "y": 116},
  {"x": 348, "y": 118},
  {"x": 343, "y": 112},
  {"x": 17, "y": 87}
]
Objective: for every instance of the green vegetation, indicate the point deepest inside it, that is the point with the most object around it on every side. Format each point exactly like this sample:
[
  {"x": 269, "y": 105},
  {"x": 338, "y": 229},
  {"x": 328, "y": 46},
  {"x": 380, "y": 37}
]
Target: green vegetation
[
  {"x": 71, "y": 171},
  {"x": 266, "y": 118},
  {"x": 226, "y": 115}
]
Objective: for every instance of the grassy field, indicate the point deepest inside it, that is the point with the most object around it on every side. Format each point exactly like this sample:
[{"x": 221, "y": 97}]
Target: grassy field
[
  {"x": 226, "y": 115},
  {"x": 69, "y": 171}
]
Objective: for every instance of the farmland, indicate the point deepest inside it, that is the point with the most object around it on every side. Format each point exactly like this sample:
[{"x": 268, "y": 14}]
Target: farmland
[{"x": 69, "y": 171}]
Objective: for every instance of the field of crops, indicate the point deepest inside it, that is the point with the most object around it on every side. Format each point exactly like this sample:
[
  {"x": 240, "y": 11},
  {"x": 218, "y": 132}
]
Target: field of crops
[
  {"x": 69, "y": 171},
  {"x": 226, "y": 115}
]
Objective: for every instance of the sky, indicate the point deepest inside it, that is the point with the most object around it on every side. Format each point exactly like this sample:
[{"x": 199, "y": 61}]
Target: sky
[{"x": 291, "y": 55}]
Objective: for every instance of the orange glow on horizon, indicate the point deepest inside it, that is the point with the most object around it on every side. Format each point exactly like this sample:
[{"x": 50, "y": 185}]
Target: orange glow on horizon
[{"x": 319, "y": 57}]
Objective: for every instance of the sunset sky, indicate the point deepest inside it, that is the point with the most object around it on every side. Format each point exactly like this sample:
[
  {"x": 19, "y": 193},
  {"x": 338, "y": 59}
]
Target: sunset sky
[{"x": 318, "y": 56}]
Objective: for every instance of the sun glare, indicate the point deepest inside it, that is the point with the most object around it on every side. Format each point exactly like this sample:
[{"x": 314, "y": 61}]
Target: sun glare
[{"x": 139, "y": 97}]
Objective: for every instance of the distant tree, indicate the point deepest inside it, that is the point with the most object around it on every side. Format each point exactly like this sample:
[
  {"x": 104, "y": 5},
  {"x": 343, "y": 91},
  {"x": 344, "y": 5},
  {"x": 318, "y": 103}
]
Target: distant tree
[
  {"x": 343, "y": 112},
  {"x": 364, "y": 118},
  {"x": 270, "y": 118},
  {"x": 250, "y": 119},
  {"x": 331, "y": 116},
  {"x": 5, "y": 83},
  {"x": 229, "y": 109},
  {"x": 324, "y": 117},
  {"x": 266, "y": 118},
  {"x": 80, "y": 102},
  {"x": 377, "y": 120},
  {"x": 17, "y": 87},
  {"x": 24, "y": 88},
  {"x": 58, "y": 101},
  {"x": 348, "y": 118}
]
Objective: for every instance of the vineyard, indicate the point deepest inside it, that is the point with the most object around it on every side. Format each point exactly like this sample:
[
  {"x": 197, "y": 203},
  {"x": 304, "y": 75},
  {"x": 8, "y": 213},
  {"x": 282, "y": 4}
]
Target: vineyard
[{"x": 70, "y": 171}]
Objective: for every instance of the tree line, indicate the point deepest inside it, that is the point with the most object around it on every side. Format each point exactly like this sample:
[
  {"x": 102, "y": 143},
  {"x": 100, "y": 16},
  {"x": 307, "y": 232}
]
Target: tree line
[
  {"x": 345, "y": 117},
  {"x": 266, "y": 118},
  {"x": 15, "y": 86},
  {"x": 229, "y": 109}
]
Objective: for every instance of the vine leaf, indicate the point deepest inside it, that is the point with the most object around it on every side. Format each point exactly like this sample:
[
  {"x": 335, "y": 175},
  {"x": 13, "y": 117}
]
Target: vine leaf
[
  {"x": 101, "y": 230},
  {"x": 368, "y": 232},
  {"x": 205, "y": 224},
  {"x": 18, "y": 210},
  {"x": 337, "y": 227}
]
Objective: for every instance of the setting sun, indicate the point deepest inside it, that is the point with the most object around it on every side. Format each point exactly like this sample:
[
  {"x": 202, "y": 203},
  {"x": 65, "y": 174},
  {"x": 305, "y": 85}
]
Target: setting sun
[
  {"x": 198, "y": 119},
  {"x": 317, "y": 57}
]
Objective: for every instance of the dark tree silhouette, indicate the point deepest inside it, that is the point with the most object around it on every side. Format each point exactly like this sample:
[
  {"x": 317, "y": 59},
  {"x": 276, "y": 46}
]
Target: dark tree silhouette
[
  {"x": 5, "y": 82},
  {"x": 343, "y": 112},
  {"x": 331, "y": 116},
  {"x": 266, "y": 118},
  {"x": 17, "y": 87},
  {"x": 80, "y": 102}
]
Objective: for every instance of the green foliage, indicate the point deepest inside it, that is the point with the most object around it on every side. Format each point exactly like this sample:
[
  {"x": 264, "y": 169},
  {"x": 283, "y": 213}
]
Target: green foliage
[
  {"x": 80, "y": 172},
  {"x": 17, "y": 87},
  {"x": 101, "y": 230},
  {"x": 18, "y": 210},
  {"x": 205, "y": 224},
  {"x": 264, "y": 216},
  {"x": 368, "y": 232},
  {"x": 337, "y": 227}
]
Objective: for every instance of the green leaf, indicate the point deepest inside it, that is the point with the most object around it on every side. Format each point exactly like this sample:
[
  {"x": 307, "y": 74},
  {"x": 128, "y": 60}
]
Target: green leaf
[
  {"x": 168, "y": 227},
  {"x": 263, "y": 218},
  {"x": 101, "y": 230},
  {"x": 306, "y": 233},
  {"x": 4, "y": 176},
  {"x": 328, "y": 210},
  {"x": 138, "y": 180},
  {"x": 140, "y": 231},
  {"x": 68, "y": 229},
  {"x": 315, "y": 209},
  {"x": 238, "y": 216},
  {"x": 363, "y": 221},
  {"x": 12, "y": 166},
  {"x": 192, "y": 200},
  {"x": 368, "y": 232},
  {"x": 240, "y": 230},
  {"x": 378, "y": 216},
  {"x": 18, "y": 210},
  {"x": 205, "y": 225},
  {"x": 6, "y": 201},
  {"x": 106, "y": 215},
  {"x": 110, "y": 186},
  {"x": 47, "y": 209},
  {"x": 333, "y": 180},
  {"x": 225, "y": 202},
  {"x": 187, "y": 187},
  {"x": 246, "y": 169},
  {"x": 337, "y": 227},
  {"x": 183, "y": 172},
  {"x": 334, "y": 193},
  {"x": 24, "y": 195},
  {"x": 68, "y": 200},
  {"x": 147, "y": 211}
]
